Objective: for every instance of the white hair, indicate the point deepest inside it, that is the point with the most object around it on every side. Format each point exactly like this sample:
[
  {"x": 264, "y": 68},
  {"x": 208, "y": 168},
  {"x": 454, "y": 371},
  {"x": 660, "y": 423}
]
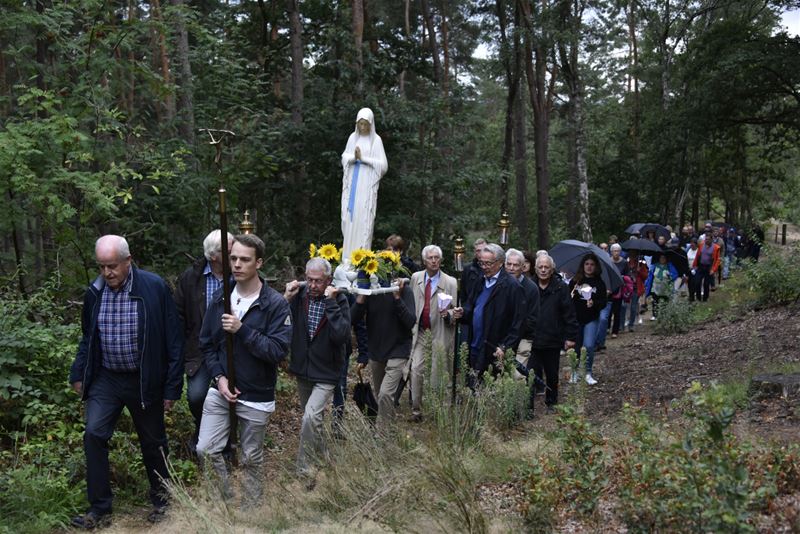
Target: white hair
[
  {"x": 212, "y": 244},
  {"x": 616, "y": 246},
  {"x": 120, "y": 243},
  {"x": 431, "y": 248},
  {"x": 319, "y": 264},
  {"x": 496, "y": 250},
  {"x": 514, "y": 252},
  {"x": 543, "y": 255}
]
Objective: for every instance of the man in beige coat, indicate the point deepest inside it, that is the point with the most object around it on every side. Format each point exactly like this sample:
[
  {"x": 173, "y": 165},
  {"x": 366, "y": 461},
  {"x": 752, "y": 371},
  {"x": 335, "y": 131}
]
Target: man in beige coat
[{"x": 429, "y": 287}]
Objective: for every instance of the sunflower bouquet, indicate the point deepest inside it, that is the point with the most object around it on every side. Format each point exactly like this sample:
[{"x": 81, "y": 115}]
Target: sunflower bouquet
[
  {"x": 384, "y": 264},
  {"x": 328, "y": 251}
]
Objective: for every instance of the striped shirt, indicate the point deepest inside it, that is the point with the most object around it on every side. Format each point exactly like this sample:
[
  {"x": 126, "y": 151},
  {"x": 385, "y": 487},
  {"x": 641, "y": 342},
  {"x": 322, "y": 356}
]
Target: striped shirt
[
  {"x": 118, "y": 323},
  {"x": 212, "y": 283}
]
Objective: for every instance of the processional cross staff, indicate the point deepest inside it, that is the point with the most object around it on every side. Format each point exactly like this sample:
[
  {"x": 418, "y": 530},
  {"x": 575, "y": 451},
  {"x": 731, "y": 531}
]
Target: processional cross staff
[{"x": 216, "y": 137}]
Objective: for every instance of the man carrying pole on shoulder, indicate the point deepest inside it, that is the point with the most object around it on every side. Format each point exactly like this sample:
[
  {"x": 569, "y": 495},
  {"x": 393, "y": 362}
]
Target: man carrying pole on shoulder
[{"x": 321, "y": 319}]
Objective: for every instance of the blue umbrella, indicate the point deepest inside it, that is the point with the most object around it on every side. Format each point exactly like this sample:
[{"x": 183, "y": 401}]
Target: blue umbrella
[{"x": 569, "y": 253}]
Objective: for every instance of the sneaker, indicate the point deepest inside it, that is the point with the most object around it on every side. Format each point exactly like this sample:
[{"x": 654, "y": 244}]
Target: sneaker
[
  {"x": 652, "y": 318},
  {"x": 640, "y": 320},
  {"x": 91, "y": 520},
  {"x": 590, "y": 379},
  {"x": 613, "y": 336},
  {"x": 574, "y": 378}
]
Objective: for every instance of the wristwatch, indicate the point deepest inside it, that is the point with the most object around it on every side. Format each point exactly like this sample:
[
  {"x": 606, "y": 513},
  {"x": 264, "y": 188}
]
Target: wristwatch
[{"x": 216, "y": 379}]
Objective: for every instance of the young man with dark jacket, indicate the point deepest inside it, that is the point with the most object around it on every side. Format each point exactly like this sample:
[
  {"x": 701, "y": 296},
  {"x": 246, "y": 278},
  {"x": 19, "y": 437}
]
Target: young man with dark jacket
[
  {"x": 130, "y": 355},
  {"x": 321, "y": 322},
  {"x": 261, "y": 327}
]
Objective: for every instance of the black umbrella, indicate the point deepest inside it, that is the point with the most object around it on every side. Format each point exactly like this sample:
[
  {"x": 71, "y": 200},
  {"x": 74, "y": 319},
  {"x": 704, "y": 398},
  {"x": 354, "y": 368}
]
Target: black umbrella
[
  {"x": 645, "y": 246},
  {"x": 635, "y": 228},
  {"x": 657, "y": 229},
  {"x": 569, "y": 253},
  {"x": 364, "y": 399},
  {"x": 676, "y": 257}
]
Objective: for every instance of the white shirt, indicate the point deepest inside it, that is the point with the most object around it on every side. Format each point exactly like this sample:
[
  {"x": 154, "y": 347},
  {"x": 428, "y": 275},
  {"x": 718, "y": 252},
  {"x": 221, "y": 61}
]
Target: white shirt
[{"x": 239, "y": 307}]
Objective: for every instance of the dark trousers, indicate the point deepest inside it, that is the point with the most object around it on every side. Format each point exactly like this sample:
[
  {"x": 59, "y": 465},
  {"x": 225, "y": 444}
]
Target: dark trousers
[
  {"x": 340, "y": 391},
  {"x": 545, "y": 363},
  {"x": 196, "y": 389},
  {"x": 706, "y": 279},
  {"x": 694, "y": 286},
  {"x": 658, "y": 303},
  {"x": 616, "y": 310},
  {"x": 108, "y": 394}
]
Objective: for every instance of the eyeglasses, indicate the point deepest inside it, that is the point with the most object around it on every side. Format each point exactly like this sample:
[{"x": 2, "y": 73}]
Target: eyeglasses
[{"x": 487, "y": 263}]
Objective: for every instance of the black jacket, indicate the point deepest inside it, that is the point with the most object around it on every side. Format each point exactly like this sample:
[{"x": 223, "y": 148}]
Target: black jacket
[
  {"x": 321, "y": 358},
  {"x": 389, "y": 323},
  {"x": 159, "y": 339},
  {"x": 259, "y": 345},
  {"x": 583, "y": 313},
  {"x": 470, "y": 277},
  {"x": 503, "y": 315},
  {"x": 190, "y": 299},
  {"x": 556, "y": 321},
  {"x": 530, "y": 306}
]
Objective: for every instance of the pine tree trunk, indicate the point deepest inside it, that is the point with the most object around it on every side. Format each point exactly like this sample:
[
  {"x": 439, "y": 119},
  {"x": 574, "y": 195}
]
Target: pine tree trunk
[
  {"x": 437, "y": 63},
  {"x": 358, "y": 39},
  {"x": 185, "y": 89},
  {"x": 169, "y": 99}
]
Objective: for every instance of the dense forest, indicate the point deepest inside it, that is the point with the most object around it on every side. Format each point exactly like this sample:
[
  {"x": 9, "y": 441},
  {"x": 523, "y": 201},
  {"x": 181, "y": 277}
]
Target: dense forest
[
  {"x": 577, "y": 118},
  {"x": 574, "y": 117}
]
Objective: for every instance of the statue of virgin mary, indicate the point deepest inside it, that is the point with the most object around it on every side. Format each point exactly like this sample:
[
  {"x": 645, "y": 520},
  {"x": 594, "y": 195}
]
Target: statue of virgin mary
[{"x": 363, "y": 165}]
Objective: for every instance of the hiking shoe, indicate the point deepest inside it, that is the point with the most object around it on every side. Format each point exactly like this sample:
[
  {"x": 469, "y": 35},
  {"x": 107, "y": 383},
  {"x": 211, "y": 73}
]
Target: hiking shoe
[
  {"x": 91, "y": 520},
  {"x": 590, "y": 379},
  {"x": 157, "y": 514},
  {"x": 416, "y": 417}
]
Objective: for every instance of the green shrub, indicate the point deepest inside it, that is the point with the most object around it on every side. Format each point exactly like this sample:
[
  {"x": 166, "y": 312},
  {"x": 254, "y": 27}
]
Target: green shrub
[
  {"x": 507, "y": 399},
  {"x": 775, "y": 279},
  {"x": 544, "y": 493},
  {"x": 703, "y": 480},
  {"x": 675, "y": 317}
]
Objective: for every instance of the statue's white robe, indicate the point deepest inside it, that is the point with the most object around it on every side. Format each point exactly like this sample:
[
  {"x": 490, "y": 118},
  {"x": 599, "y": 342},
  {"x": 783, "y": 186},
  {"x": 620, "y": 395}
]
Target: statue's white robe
[{"x": 357, "y": 227}]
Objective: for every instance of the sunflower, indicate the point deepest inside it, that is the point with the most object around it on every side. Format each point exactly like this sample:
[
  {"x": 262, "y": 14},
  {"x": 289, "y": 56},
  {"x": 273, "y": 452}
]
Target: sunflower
[
  {"x": 358, "y": 255},
  {"x": 328, "y": 251},
  {"x": 312, "y": 250},
  {"x": 338, "y": 254},
  {"x": 386, "y": 255},
  {"x": 371, "y": 267}
]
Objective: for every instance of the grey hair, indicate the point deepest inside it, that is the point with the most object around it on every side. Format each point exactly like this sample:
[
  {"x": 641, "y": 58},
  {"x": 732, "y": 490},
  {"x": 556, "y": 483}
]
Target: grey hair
[
  {"x": 479, "y": 241},
  {"x": 497, "y": 250},
  {"x": 514, "y": 252},
  {"x": 212, "y": 244},
  {"x": 319, "y": 264},
  {"x": 431, "y": 248},
  {"x": 616, "y": 246},
  {"x": 120, "y": 243},
  {"x": 542, "y": 254}
]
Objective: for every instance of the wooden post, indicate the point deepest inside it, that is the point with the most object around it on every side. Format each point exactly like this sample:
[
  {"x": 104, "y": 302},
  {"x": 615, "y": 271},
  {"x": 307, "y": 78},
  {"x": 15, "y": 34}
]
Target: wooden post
[
  {"x": 776, "y": 233},
  {"x": 783, "y": 235}
]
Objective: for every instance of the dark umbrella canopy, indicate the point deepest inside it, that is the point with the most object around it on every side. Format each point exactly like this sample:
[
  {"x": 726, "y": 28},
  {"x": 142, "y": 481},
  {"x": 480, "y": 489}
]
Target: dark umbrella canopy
[
  {"x": 644, "y": 246},
  {"x": 569, "y": 253},
  {"x": 635, "y": 228},
  {"x": 658, "y": 229},
  {"x": 676, "y": 257}
]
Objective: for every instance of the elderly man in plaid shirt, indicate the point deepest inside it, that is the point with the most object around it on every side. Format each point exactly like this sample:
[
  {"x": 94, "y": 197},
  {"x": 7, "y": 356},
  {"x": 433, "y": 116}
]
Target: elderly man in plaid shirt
[
  {"x": 130, "y": 356},
  {"x": 321, "y": 322}
]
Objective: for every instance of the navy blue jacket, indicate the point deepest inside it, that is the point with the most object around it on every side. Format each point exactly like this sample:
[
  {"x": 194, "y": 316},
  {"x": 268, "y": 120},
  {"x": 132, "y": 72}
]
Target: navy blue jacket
[
  {"x": 502, "y": 316},
  {"x": 258, "y": 346},
  {"x": 160, "y": 339},
  {"x": 321, "y": 358},
  {"x": 530, "y": 307}
]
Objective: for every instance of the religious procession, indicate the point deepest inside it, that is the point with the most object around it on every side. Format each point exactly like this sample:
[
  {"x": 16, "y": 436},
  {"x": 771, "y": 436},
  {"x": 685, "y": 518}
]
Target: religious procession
[{"x": 231, "y": 333}]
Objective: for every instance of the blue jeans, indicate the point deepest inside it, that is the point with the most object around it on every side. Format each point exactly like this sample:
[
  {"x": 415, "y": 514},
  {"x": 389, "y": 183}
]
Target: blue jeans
[
  {"x": 587, "y": 337},
  {"x": 633, "y": 310},
  {"x": 196, "y": 389},
  {"x": 605, "y": 313},
  {"x": 107, "y": 396}
]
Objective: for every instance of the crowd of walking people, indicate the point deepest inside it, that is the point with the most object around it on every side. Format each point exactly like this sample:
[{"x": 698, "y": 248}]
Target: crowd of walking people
[{"x": 138, "y": 339}]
